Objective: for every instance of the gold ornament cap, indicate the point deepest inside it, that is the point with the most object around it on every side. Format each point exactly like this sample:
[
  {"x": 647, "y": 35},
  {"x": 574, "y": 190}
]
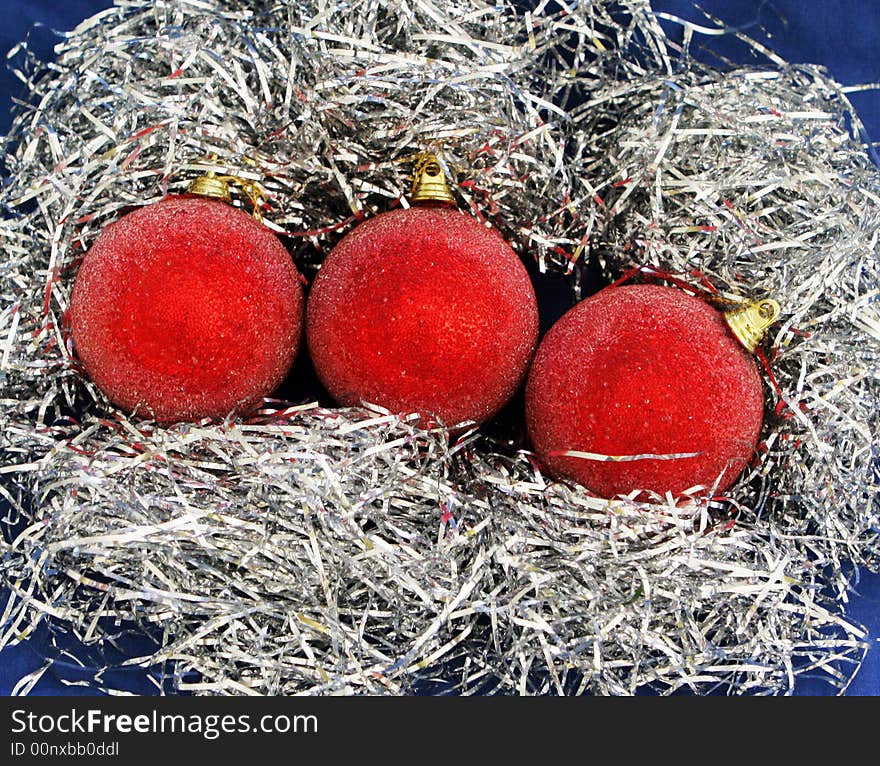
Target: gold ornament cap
[
  {"x": 219, "y": 187},
  {"x": 429, "y": 181},
  {"x": 211, "y": 185},
  {"x": 749, "y": 323}
]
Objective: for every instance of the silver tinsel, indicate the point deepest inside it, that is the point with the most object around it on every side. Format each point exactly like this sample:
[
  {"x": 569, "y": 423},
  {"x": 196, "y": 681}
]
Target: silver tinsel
[{"x": 314, "y": 550}]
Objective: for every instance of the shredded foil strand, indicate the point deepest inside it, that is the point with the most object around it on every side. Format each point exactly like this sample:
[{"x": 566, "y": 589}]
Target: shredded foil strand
[{"x": 309, "y": 550}]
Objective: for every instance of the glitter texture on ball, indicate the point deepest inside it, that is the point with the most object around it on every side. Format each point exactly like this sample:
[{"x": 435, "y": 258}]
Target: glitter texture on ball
[
  {"x": 651, "y": 386},
  {"x": 423, "y": 310},
  {"x": 185, "y": 309}
]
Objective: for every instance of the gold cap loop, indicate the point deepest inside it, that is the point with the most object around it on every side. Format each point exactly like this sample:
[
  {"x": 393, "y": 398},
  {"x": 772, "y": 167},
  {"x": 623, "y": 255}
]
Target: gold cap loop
[
  {"x": 749, "y": 323},
  {"x": 429, "y": 181}
]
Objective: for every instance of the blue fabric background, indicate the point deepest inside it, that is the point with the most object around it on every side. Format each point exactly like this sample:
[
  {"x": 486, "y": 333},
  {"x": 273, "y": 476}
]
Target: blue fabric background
[{"x": 840, "y": 34}]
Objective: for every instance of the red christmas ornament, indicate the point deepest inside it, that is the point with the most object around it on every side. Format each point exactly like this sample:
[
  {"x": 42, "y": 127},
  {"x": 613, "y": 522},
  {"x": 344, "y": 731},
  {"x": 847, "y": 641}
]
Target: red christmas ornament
[
  {"x": 187, "y": 308},
  {"x": 423, "y": 310},
  {"x": 654, "y": 379}
]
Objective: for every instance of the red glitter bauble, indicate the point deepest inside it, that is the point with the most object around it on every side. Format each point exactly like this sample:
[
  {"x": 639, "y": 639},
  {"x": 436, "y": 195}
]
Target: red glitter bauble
[
  {"x": 187, "y": 308},
  {"x": 423, "y": 310},
  {"x": 642, "y": 373}
]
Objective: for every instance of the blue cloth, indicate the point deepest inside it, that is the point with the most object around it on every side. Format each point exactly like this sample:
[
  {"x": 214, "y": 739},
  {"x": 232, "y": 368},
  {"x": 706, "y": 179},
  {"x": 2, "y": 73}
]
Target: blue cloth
[{"x": 841, "y": 34}]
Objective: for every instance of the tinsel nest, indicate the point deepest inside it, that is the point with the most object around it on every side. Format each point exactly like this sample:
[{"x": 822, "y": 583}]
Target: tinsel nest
[{"x": 347, "y": 551}]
